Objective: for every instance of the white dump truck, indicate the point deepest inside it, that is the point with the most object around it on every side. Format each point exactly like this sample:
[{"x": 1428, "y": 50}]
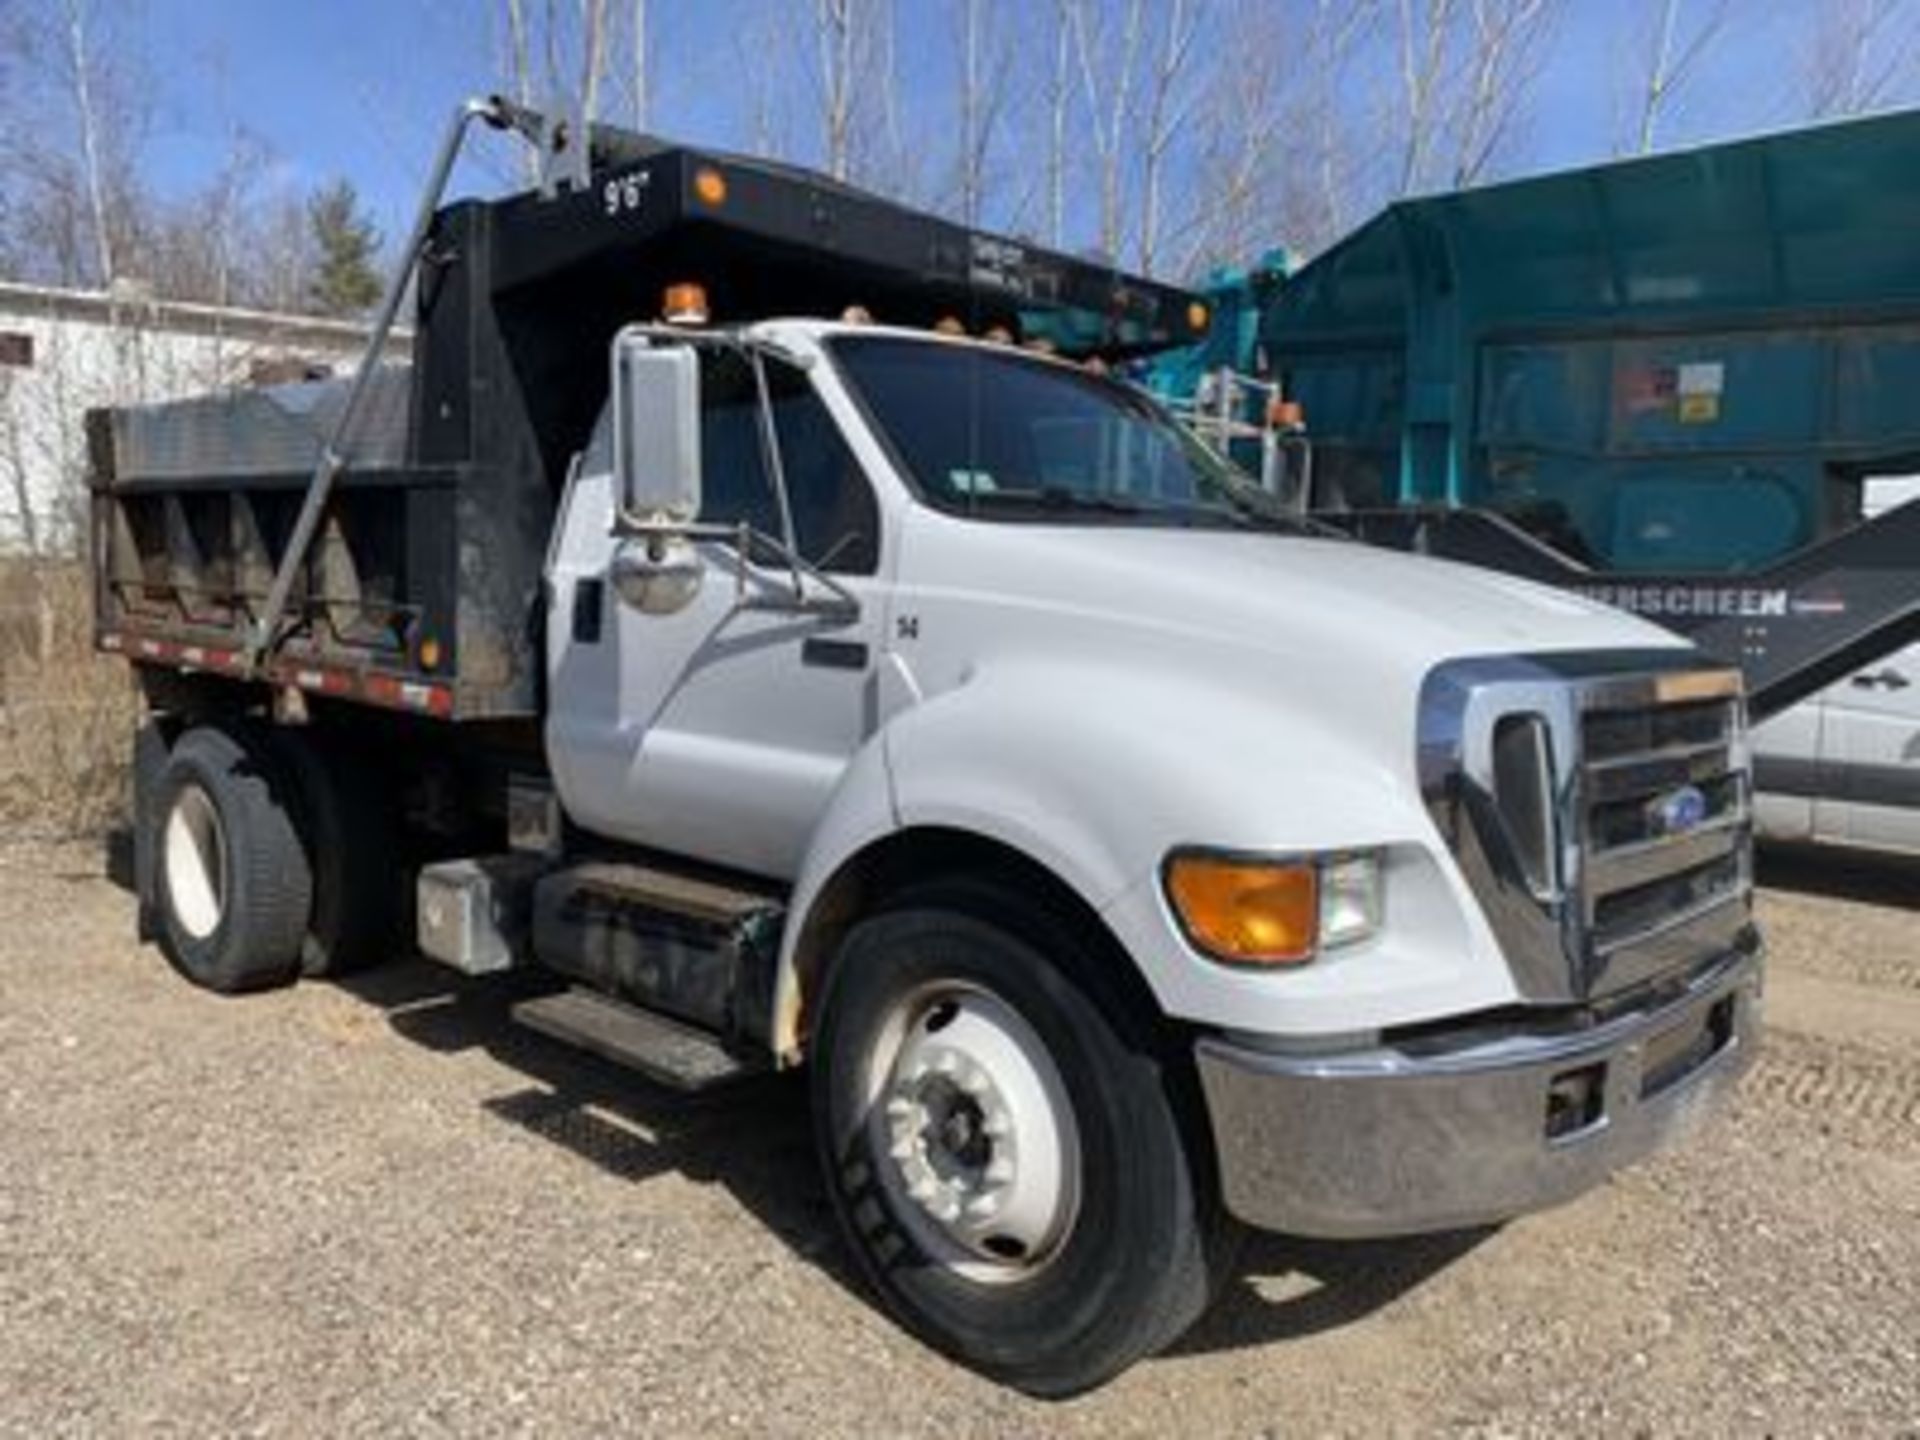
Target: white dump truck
[{"x": 1126, "y": 860}]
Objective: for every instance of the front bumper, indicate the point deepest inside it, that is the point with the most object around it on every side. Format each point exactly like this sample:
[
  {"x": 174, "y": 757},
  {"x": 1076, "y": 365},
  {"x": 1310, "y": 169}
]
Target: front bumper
[{"x": 1441, "y": 1132}]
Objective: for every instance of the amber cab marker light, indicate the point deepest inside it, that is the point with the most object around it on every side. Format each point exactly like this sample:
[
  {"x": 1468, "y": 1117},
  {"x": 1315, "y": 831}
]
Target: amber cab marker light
[
  {"x": 710, "y": 187},
  {"x": 1287, "y": 415},
  {"x": 685, "y": 304},
  {"x": 1247, "y": 912}
]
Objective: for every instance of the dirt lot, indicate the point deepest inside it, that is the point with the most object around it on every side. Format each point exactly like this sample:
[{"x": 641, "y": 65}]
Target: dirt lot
[{"x": 382, "y": 1209}]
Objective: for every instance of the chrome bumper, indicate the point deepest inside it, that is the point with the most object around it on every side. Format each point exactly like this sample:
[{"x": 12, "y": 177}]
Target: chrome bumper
[{"x": 1451, "y": 1131}]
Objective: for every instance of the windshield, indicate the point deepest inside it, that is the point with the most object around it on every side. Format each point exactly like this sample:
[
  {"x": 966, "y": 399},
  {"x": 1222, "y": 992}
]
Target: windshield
[{"x": 1002, "y": 435}]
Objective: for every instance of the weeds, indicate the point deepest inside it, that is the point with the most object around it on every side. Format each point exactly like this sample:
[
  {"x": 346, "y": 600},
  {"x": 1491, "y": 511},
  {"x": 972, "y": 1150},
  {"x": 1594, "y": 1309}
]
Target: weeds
[{"x": 66, "y": 713}]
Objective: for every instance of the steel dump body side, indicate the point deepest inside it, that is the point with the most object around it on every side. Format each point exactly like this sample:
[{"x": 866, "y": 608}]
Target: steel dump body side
[{"x": 422, "y": 589}]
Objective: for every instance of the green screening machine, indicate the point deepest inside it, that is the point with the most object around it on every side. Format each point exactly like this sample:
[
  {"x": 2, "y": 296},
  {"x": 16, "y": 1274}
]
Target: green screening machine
[{"x": 1664, "y": 381}]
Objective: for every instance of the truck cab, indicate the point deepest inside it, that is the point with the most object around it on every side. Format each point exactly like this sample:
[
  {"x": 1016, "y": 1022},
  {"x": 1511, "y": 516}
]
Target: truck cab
[
  {"x": 1420, "y": 862},
  {"x": 1126, "y": 860}
]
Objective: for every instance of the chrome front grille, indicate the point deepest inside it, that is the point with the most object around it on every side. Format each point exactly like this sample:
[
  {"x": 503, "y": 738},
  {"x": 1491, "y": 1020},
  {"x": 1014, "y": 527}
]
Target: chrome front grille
[
  {"x": 1640, "y": 864},
  {"x": 1664, "y": 822}
]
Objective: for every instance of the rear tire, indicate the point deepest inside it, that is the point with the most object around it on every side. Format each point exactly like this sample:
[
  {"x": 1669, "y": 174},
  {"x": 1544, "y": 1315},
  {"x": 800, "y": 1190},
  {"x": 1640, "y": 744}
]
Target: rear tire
[
  {"x": 965, "y": 1080},
  {"x": 231, "y": 883},
  {"x": 346, "y": 829}
]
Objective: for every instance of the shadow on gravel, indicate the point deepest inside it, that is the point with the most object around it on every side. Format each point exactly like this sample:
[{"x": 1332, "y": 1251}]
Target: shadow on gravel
[
  {"x": 116, "y": 857},
  {"x": 1285, "y": 1288},
  {"x": 1873, "y": 877},
  {"x": 753, "y": 1137}
]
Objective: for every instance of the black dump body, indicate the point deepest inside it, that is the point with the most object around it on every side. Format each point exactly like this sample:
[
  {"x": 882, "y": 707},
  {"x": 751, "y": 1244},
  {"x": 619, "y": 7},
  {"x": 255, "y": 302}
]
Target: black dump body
[{"x": 422, "y": 589}]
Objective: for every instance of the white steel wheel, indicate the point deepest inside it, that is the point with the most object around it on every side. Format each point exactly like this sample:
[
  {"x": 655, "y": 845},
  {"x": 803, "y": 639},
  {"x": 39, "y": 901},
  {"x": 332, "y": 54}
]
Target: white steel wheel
[
  {"x": 194, "y": 852},
  {"x": 1002, "y": 1148},
  {"x": 232, "y": 886},
  {"x": 974, "y": 1132}
]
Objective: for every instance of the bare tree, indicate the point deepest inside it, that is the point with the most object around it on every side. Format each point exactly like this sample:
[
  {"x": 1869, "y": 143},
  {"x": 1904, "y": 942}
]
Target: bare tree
[
  {"x": 1107, "y": 49},
  {"x": 14, "y": 461},
  {"x": 1059, "y": 100},
  {"x": 1169, "y": 102},
  {"x": 518, "y": 65},
  {"x": 1423, "y": 41},
  {"x": 834, "y": 32},
  {"x": 1335, "y": 32},
  {"x": 1857, "y": 55},
  {"x": 593, "y": 55},
  {"x": 985, "y": 62},
  {"x": 1239, "y": 132},
  {"x": 80, "y": 61},
  {"x": 1508, "y": 42},
  {"x": 642, "y": 59},
  {"x": 862, "y": 125},
  {"x": 1674, "y": 38}
]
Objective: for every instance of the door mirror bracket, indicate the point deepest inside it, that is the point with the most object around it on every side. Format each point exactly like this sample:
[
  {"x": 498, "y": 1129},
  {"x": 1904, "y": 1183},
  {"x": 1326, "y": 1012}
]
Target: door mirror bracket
[{"x": 657, "y": 567}]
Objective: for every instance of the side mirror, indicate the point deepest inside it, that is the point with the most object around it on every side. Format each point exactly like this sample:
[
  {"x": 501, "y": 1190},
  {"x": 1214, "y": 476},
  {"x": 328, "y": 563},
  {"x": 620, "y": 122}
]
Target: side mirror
[{"x": 656, "y": 430}]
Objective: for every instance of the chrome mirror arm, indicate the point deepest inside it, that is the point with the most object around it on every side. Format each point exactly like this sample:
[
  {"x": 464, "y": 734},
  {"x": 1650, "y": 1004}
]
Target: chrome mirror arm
[{"x": 839, "y": 601}]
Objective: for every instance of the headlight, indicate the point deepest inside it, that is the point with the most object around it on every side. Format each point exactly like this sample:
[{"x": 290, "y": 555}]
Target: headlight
[
  {"x": 1350, "y": 898},
  {"x": 1249, "y": 911}
]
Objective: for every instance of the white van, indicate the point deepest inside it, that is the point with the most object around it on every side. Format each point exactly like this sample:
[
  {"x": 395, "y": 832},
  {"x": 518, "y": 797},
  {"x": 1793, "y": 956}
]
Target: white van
[{"x": 1844, "y": 767}]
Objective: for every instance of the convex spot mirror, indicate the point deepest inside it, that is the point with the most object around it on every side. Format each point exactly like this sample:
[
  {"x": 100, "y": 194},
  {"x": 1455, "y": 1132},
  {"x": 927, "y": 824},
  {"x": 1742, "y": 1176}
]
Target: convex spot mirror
[
  {"x": 656, "y": 430},
  {"x": 657, "y": 574}
]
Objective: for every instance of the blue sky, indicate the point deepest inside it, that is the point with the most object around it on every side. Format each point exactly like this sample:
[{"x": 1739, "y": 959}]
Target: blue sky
[{"x": 360, "y": 88}]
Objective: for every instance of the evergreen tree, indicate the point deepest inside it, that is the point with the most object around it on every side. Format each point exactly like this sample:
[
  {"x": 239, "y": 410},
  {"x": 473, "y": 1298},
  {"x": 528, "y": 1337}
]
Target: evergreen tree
[{"x": 345, "y": 281}]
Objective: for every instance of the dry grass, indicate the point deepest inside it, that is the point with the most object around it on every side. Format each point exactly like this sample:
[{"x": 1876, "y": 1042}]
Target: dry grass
[{"x": 66, "y": 713}]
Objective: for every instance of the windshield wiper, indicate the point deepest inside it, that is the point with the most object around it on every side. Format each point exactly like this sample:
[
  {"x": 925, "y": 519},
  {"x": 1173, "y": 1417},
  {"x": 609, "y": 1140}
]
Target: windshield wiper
[
  {"x": 1257, "y": 507},
  {"x": 1056, "y": 497}
]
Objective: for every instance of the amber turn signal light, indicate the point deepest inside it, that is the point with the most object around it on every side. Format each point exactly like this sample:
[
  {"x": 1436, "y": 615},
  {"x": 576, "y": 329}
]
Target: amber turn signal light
[{"x": 1247, "y": 912}]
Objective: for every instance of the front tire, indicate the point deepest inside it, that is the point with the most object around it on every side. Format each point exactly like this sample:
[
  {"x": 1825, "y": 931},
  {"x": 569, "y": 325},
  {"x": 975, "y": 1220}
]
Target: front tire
[
  {"x": 231, "y": 882},
  {"x": 1006, "y": 1164}
]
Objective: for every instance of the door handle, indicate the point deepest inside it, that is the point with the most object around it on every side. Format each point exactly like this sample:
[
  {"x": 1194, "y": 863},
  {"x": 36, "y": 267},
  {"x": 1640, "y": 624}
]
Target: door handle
[
  {"x": 1888, "y": 679},
  {"x": 834, "y": 654}
]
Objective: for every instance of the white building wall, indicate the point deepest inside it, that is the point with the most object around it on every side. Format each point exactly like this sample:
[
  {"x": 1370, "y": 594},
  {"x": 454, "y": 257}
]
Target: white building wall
[{"x": 88, "y": 350}]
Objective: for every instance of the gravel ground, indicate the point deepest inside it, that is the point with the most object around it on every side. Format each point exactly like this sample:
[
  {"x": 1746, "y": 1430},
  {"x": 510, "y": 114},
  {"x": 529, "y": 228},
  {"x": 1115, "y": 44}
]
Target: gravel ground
[{"x": 382, "y": 1209}]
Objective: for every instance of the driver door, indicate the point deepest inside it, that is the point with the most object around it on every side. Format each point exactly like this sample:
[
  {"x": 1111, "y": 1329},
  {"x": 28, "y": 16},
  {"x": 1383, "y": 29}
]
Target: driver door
[{"x": 720, "y": 731}]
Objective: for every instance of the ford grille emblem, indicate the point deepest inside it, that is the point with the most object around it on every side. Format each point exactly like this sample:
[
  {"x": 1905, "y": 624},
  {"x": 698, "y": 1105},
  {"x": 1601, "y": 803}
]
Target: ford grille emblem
[{"x": 1679, "y": 811}]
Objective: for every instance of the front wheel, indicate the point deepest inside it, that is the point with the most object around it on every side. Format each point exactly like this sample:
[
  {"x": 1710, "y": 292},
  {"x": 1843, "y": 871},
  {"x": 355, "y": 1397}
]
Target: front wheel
[{"x": 1009, "y": 1170}]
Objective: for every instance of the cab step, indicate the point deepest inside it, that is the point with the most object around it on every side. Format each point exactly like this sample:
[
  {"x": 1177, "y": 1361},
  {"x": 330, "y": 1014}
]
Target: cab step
[{"x": 656, "y": 1045}]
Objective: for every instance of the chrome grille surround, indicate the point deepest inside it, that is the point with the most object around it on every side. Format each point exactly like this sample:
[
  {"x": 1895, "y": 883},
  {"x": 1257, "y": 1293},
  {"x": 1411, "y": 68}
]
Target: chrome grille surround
[{"x": 1651, "y": 812}]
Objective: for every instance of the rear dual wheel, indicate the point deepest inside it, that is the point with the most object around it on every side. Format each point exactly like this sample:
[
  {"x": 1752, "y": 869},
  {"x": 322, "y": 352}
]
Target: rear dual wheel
[
  {"x": 233, "y": 886},
  {"x": 270, "y": 861}
]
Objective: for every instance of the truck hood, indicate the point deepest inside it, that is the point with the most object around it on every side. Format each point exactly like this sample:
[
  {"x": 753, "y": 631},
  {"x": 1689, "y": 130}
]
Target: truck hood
[
  {"x": 1384, "y": 610},
  {"x": 1126, "y": 691}
]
